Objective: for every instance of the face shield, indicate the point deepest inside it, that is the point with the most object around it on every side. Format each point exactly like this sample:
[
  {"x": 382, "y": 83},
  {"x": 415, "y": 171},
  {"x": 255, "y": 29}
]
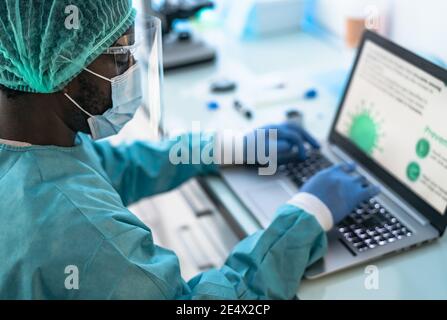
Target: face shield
[{"x": 141, "y": 45}]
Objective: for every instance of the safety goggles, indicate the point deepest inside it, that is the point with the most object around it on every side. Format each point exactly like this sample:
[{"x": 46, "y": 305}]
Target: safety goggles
[
  {"x": 125, "y": 45},
  {"x": 123, "y": 54}
]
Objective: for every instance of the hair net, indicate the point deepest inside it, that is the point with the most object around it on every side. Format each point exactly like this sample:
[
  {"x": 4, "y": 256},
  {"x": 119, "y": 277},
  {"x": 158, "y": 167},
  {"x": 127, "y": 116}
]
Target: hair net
[{"x": 44, "y": 44}]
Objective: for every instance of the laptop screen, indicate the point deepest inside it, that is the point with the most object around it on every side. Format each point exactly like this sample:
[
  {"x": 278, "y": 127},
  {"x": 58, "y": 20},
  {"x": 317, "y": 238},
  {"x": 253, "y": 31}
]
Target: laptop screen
[{"x": 395, "y": 114}]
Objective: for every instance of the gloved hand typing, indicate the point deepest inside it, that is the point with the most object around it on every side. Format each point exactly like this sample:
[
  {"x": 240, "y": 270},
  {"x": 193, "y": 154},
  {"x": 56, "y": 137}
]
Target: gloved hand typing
[{"x": 339, "y": 190}]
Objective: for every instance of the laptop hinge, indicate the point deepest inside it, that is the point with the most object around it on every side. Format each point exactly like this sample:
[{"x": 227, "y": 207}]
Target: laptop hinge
[{"x": 385, "y": 190}]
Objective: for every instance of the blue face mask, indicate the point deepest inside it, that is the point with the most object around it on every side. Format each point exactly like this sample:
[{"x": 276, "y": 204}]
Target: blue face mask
[{"x": 127, "y": 96}]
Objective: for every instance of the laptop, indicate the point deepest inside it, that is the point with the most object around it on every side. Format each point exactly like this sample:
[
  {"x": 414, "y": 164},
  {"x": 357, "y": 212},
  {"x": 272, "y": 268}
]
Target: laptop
[{"x": 392, "y": 122}]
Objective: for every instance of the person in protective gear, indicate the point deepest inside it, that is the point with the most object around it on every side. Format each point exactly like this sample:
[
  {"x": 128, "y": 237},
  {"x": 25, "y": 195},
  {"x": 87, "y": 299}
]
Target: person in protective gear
[{"x": 65, "y": 196}]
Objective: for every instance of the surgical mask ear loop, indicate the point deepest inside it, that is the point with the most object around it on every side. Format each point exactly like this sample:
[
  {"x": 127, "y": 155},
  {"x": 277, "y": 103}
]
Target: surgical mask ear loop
[
  {"x": 89, "y": 71},
  {"x": 98, "y": 75},
  {"x": 77, "y": 105}
]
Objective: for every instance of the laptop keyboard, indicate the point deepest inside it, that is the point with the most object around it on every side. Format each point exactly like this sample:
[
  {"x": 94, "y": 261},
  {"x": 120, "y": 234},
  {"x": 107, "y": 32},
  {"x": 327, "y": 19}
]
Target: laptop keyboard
[
  {"x": 300, "y": 172},
  {"x": 369, "y": 226}
]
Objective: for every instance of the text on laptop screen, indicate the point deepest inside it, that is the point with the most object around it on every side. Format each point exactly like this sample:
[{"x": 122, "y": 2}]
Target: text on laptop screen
[{"x": 397, "y": 114}]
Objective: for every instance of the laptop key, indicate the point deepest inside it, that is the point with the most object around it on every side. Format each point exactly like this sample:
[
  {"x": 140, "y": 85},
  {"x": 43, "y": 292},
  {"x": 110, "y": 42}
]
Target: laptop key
[
  {"x": 387, "y": 235},
  {"x": 362, "y": 249},
  {"x": 342, "y": 229},
  {"x": 371, "y": 233},
  {"x": 349, "y": 235},
  {"x": 360, "y": 211},
  {"x": 380, "y": 230}
]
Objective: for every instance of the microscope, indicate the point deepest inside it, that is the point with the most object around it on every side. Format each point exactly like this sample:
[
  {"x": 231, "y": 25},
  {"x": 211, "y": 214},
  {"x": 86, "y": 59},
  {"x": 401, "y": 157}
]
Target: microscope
[{"x": 180, "y": 48}]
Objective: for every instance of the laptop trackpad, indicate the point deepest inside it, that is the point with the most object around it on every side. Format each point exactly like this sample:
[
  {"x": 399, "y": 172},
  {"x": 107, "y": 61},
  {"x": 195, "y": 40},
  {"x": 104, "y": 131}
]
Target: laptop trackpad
[{"x": 267, "y": 198}]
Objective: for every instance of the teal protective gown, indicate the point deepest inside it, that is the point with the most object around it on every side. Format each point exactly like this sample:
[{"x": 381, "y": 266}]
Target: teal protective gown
[{"x": 64, "y": 217}]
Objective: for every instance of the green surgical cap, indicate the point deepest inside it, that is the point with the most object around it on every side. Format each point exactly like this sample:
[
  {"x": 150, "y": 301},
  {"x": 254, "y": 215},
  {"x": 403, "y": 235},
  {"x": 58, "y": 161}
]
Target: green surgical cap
[{"x": 44, "y": 44}]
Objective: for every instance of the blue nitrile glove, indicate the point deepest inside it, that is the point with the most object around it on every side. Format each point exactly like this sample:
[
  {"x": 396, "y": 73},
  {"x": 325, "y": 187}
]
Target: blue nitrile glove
[
  {"x": 339, "y": 190},
  {"x": 292, "y": 143}
]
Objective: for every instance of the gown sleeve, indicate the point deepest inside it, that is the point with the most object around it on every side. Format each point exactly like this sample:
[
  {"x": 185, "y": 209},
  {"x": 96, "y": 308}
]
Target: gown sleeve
[
  {"x": 144, "y": 169},
  {"x": 266, "y": 265}
]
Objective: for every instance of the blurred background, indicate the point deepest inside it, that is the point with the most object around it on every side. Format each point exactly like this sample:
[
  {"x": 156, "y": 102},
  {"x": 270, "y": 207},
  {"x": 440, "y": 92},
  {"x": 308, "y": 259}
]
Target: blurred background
[
  {"x": 243, "y": 47},
  {"x": 418, "y": 25},
  {"x": 305, "y": 47}
]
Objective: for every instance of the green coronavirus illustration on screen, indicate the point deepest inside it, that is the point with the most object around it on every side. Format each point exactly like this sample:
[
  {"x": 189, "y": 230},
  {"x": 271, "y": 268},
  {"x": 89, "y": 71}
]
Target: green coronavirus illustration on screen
[{"x": 364, "y": 130}]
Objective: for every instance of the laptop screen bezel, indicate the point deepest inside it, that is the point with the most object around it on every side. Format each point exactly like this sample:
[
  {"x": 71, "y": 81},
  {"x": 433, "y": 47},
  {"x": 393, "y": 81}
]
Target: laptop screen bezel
[{"x": 436, "y": 219}]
